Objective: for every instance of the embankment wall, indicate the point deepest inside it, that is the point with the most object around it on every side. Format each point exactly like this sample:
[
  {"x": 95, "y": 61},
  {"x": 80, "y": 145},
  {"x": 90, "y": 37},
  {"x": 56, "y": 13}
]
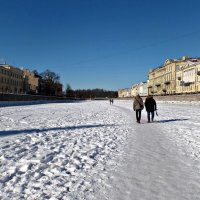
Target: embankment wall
[{"x": 184, "y": 97}]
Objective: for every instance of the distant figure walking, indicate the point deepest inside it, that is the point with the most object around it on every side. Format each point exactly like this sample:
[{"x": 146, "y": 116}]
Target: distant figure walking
[
  {"x": 111, "y": 101},
  {"x": 138, "y": 105},
  {"x": 150, "y": 105}
]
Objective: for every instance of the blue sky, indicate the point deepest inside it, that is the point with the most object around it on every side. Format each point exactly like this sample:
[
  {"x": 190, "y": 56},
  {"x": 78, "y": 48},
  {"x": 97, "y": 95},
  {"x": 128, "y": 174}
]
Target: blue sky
[{"x": 107, "y": 44}]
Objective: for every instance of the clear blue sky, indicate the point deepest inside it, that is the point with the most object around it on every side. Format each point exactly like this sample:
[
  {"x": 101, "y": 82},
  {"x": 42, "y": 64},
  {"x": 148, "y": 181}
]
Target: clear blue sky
[{"x": 108, "y": 44}]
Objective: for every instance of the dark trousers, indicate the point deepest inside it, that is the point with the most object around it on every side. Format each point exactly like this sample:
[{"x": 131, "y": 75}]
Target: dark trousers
[
  {"x": 150, "y": 115},
  {"x": 138, "y": 115}
]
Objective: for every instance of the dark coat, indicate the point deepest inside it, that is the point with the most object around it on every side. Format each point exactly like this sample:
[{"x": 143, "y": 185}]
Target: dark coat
[{"x": 150, "y": 104}]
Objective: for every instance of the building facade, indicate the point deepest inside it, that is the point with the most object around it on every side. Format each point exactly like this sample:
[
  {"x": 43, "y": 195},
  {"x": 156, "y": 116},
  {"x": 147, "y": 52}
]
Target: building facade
[
  {"x": 188, "y": 77},
  {"x": 156, "y": 81},
  {"x": 134, "y": 90},
  {"x": 170, "y": 74},
  {"x": 168, "y": 78},
  {"x": 175, "y": 76},
  {"x": 11, "y": 79},
  {"x": 31, "y": 82},
  {"x": 139, "y": 88},
  {"x": 124, "y": 93}
]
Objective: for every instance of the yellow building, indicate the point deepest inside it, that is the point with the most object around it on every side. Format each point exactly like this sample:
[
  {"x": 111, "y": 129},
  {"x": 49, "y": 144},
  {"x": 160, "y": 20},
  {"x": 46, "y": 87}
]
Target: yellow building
[
  {"x": 188, "y": 77},
  {"x": 134, "y": 90},
  {"x": 198, "y": 77},
  {"x": 33, "y": 81},
  {"x": 156, "y": 84},
  {"x": 124, "y": 93},
  {"x": 170, "y": 74},
  {"x": 162, "y": 80},
  {"x": 11, "y": 79}
]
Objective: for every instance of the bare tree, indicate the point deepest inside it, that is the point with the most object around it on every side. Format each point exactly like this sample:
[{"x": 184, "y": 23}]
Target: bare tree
[
  {"x": 51, "y": 81},
  {"x": 50, "y": 76},
  {"x": 69, "y": 91}
]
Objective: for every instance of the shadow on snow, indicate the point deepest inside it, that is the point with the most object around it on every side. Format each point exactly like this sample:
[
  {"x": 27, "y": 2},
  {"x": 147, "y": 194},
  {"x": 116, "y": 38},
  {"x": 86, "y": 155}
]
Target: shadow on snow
[
  {"x": 27, "y": 131},
  {"x": 36, "y": 102},
  {"x": 170, "y": 120}
]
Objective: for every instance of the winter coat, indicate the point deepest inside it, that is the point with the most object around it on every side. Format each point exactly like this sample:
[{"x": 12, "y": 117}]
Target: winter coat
[
  {"x": 138, "y": 103},
  {"x": 150, "y": 104}
]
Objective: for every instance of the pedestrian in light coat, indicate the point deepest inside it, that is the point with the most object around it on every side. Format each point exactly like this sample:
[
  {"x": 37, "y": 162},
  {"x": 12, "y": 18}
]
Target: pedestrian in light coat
[{"x": 138, "y": 105}]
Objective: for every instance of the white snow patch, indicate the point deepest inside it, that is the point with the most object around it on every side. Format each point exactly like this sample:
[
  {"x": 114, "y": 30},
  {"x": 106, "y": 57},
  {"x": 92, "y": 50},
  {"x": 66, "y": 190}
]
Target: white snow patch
[{"x": 79, "y": 150}]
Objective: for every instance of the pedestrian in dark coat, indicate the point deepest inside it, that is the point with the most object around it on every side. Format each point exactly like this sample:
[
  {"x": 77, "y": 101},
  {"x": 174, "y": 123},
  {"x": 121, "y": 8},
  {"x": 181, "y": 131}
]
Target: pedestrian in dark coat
[
  {"x": 150, "y": 105},
  {"x": 111, "y": 101},
  {"x": 138, "y": 105}
]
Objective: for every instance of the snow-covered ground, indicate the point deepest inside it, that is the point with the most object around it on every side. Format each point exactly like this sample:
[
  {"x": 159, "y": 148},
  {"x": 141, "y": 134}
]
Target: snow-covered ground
[{"x": 94, "y": 150}]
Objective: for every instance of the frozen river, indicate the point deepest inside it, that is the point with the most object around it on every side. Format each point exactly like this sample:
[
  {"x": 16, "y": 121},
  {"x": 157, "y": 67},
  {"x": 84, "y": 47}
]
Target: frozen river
[{"x": 94, "y": 150}]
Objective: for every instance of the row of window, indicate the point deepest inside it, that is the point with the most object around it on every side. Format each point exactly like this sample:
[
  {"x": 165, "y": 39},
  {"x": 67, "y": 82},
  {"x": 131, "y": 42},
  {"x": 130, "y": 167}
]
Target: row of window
[
  {"x": 186, "y": 88},
  {"x": 190, "y": 88},
  {"x": 11, "y": 81},
  {"x": 185, "y": 77},
  {"x": 15, "y": 90},
  {"x": 9, "y": 73},
  {"x": 169, "y": 69}
]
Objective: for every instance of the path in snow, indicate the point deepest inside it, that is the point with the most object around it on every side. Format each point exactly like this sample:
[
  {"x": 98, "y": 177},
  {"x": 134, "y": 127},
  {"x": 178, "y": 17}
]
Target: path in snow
[
  {"x": 96, "y": 151},
  {"x": 152, "y": 168}
]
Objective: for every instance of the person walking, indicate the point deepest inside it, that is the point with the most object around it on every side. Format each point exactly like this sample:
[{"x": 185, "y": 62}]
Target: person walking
[
  {"x": 138, "y": 105},
  {"x": 150, "y": 105},
  {"x": 111, "y": 101}
]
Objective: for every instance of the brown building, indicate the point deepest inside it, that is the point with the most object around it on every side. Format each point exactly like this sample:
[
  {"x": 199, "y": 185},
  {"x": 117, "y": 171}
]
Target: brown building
[
  {"x": 11, "y": 79},
  {"x": 31, "y": 82}
]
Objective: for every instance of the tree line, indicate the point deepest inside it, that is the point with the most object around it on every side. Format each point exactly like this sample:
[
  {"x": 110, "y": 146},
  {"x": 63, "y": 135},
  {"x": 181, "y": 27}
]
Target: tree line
[
  {"x": 52, "y": 86},
  {"x": 48, "y": 83},
  {"x": 90, "y": 93}
]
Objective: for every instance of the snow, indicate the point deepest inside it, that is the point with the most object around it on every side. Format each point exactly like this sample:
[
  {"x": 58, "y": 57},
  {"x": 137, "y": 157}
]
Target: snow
[{"x": 94, "y": 150}]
